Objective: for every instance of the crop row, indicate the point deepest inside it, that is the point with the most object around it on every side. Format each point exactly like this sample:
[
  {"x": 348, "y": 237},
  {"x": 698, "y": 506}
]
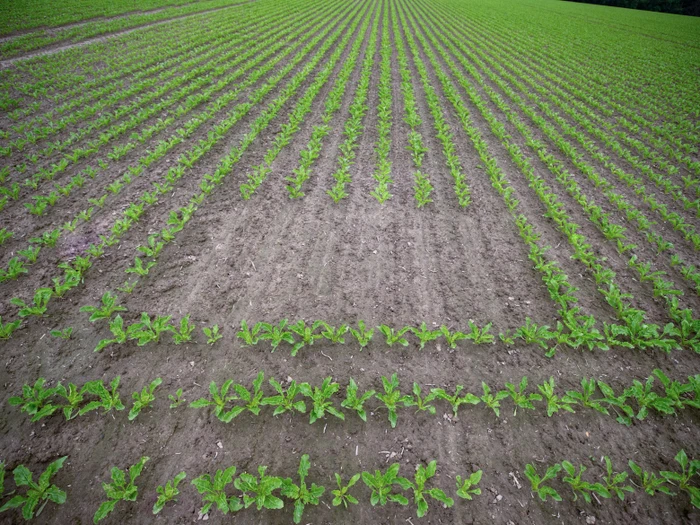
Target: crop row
[
  {"x": 231, "y": 399},
  {"x": 265, "y": 491},
  {"x": 186, "y": 160}
]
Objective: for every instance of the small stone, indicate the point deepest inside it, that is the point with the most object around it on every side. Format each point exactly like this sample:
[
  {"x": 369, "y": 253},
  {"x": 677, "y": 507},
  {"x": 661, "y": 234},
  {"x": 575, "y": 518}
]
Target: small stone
[
  {"x": 220, "y": 444},
  {"x": 590, "y": 520}
]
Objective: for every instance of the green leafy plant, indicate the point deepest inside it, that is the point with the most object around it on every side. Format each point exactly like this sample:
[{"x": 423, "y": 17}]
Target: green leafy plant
[
  {"x": 579, "y": 486},
  {"x": 139, "y": 268},
  {"x": 689, "y": 468},
  {"x": 148, "y": 330},
  {"x": 119, "y": 490},
  {"x": 382, "y": 486},
  {"x": 176, "y": 400},
  {"x": 554, "y": 403},
  {"x": 480, "y": 335},
  {"x": 63, "y": 334},
  {"x": 520, "y": 398},
  {"x": 300, "y": 494},
  {"x": 168, "y": 492},
  {"x": 614, "y": 481},
  {"x": 335, "y": 335},
  {"x": 116, "y": 326},
  {"x": 307, "y": 334},
  {"x": 219, "y": 400},
  {"x": 212, "y": 334},
  {"x": 184, "y": 334},
  {"x": 423, "y": 474},
  {"x": 108, "y": 308},
  {"x": 321, "y": 398},
  {"x": 40, "y": 303},
  {"x": 493, "y": 401},
  {"x": 353, "y": 402},
  {"x": 8, "y": 328},
  {"x": 421, "y": 403},
  {"x": 651, "y": 483},
  {"x": 394, "y": 336},
  {"x": 35, "y": 400},
  {"x": 213, "y": 491},
  {"x": 537, "y": 483},
  {"x": 144, "y": 399},
  {"x": 467, "y": 487},
  {"x": 249, "y": 336},
  {"x": 456, "y": 400},
  {"x": 424, "y": 335},
  {"x": 108, "y": 400},
  {"x": 38, "y": 493},
  {"x": 361, "y": 334},
  {"x": 342, "y": 495},
  {"x": 276, "y": 334},
  {"x": 285, "y": 400},
  {"x": 259, "y": 491},
  {"x": 452, "y": 337},
  {"x": 392, "y": 397}
]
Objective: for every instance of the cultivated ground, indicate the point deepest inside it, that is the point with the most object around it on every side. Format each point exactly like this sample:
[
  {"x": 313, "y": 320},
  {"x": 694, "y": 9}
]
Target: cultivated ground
[{"x": 526, "y": 173}]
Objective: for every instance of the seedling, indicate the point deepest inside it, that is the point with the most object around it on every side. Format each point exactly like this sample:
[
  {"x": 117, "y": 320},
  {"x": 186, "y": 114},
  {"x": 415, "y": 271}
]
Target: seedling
[
  {"x": 362, "y": 335},
  {"x": 109, "y": 306},
  {"x": 585, "y": 397},
  {"x": 176, "y": 400},
  {"x": 480, "y": 335},
  {"x": 425, "y": 335},
  {"x": 382, "y": 485},
  {"x": 119, "y": 490},
  {"x": 651, "y": 483},
  {"x": 392, "y": 397},
  {"x": 614, "y": 481},
  {"x": 252, "y": 400},
  {"x": 321, "y": 399},
  {"x": 538, "y": 485},
  {"x": 423, "y": 474},
  {"x": 455, "y": 400},
  {"x": 35, "y": 400},
  {"x": 248, "y": 336},
  {"x": 184, "y": 334},
  {"x": 393, "y": 336},
  {"x": 31, "y": 253},
  {"x": 335, "y": 335},
  {"x": 520, "y": 398},
  {"x": 421, "y": 403},
  {"x": 341, "y": 495},
  {"x": 108, "y": 400},
  {"x": 212, "y": 334},
  {"x": 146, "y": 329},
  {"x": 284, "y": 401},
  {"x": 682, "y": 479},
  {"x": 493, "y": 401},
  {"x": 467, "y": 487},
  {"x": 453, "y": 337},
  {"x": 352, "y": 402},
  {"x": 139, "y": 268},
  {"x": 276, "y": 333},
  {"x": 554, "y": 403},
  {"x": 63, "y": 334},
  {"x": 73, "y": 396},
  {"x": 579, "y": 486},
  {"x": 40, "y": 303},
  {"x": 144, "y": 399},
  {"x": 220, "y": 399},
  {"x": 8, "y": 328},
  {"x": 37, "y": 493},
  {"x": 116, "y": 326},
  {"x": 127, "y": 287},
  {"x": 213, "y": 490},
  {"x": 261, "y": 491},
  {"x": 307, "y": 334},
  {"x": 168, "y": 492},
  {"x": 300, "y": 494}
]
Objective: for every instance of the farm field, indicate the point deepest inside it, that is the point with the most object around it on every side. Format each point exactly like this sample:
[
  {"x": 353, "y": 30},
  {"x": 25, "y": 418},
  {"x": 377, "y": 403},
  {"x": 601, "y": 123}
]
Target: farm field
[{"x": 396, "y": 261}]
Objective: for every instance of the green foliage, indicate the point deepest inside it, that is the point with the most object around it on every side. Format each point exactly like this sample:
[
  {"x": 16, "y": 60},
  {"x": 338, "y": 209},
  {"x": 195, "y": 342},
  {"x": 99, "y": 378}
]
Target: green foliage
[
  {"x": 119, "y": 490},
  {"x": 260, "y": 491},
  {"x": 38, "y": 493},
  {"x": 424, "y": 335},
  {"x": 320, "y": 396},
  {"x": 176, "y": 400},
  {"x": 249, "y": 336},
  {"x": 212, "y": 334},
  {"x": 144, "y": 398},
  {"x": 342, "y": 495},
  {"x": 392, "y": 397},
  {"x": 35, "y": 400},
  {"x": 353, "y": 402},
  {"x": 213, "y": 491},
  {"x": 63, "y": 334},
  {"x": 538, "y": 486},
  {"x": 106, "y": 310},
  {"x": 300, "y": 494},
  {"x": 455, "y": 400},
  {"x": 285, "y": 400},
  {"x": 168, "y": 492},
  {"x": 361, "y": 334},
  {"x": 184, "y": 334},
  {"x": 382, "y": 486},
  {"x": 108, "y": 400},
  {"x": 276, "y": 334},
  {"x": 8, "y": 328},
  {"x": 584, "y": 488},
  {"x": 39, "y": 304},
  {"x": 394, "y": 336},
  {"x": 423, "y": 474},
  {"x": 467, "y": 487}
]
